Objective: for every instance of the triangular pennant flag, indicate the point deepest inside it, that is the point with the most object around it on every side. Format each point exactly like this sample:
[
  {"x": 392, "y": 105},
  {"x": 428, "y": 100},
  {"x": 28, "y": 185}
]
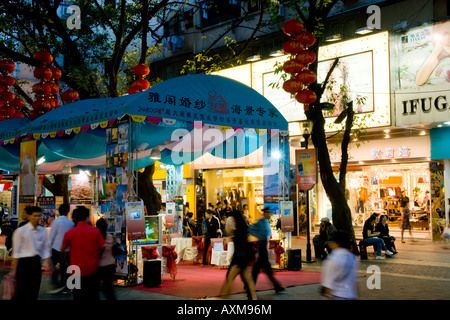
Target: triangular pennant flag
[
  {"x": 85, "y": 128},
  {"x": 68, "y": 131},
  {"x": 103, "y": 124},
  {"x": 224, "y": 128},
  {"x": 77, "y": 130},
  {"x": 138, "y": 118},
  {"x": 53, "y": 134},
  {"x": 60, "y": 133},
  {"x": 154, "y": 120},
  {"x": 44, "y": 135},
  {"x": 11, "y": 141},
  {"x": 169, "y": 122},
  {"x": 261, "y": 131},
  {"x": 111, "y": 122},
  {"x": 94, "y": 126}
]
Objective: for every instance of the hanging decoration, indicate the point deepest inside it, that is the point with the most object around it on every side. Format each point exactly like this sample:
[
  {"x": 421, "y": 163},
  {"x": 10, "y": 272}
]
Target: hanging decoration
[
  {"x": 9, "y": 104},
  {"x": 297, "y": 66},
  {"x": 140, "y": 84},
  {"x": 42, "y": 89}
]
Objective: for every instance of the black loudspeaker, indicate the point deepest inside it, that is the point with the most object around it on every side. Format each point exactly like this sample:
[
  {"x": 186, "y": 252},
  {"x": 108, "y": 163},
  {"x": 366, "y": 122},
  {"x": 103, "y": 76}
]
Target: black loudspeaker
[
  {"x": 152, "y": 273},
  {"x": 294, "y": 257}
]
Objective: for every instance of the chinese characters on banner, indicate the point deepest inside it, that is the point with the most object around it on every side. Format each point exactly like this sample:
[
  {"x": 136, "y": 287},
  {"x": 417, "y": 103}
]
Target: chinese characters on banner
[
  {"x": 287, "y": 216},
  {"x": 305, "y": 161}
]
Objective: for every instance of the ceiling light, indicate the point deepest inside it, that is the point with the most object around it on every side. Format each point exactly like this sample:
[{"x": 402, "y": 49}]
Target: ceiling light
[
  {"x": 155, "y": 154},
  {"x": 256, "y": 57},
  {"x": 447, "y": 123},
  {"x": 364, "y": 30},
  {"x": 41, "y": 160},
  {"x": 335, "y": 37},
  {"x": 422, "y": 133},
  {"x": 387, "y": 136},
  {"x": 387, "y": 130},
  {"x": 439, "y": 126},
  {"x": 276, "y": 53}
]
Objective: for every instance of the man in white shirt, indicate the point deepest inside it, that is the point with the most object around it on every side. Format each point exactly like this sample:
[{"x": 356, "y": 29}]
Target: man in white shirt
[
  {"x": 59, "y": 228},
  {"x": 339, "y": 277},
  {"x": 30, "y": 247}
]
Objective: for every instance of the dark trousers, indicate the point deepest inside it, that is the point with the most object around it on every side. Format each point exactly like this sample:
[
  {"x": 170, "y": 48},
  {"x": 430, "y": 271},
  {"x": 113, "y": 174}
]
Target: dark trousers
[
  {"x": 62, "y": 272},
  {"x": 263, "y": 263},
  {"x": 28, "y": 277},
  {"x": 88, "y": 290},
  {"x": 205, "y": 250},
  {"x": 106, "y": 276}
]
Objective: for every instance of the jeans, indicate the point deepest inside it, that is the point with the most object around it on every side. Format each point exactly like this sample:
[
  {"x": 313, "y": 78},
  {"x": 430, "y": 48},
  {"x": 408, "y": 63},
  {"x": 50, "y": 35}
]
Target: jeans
[
  {"x": 62, "y": 272},
  {"x": 377, "y": 243}
]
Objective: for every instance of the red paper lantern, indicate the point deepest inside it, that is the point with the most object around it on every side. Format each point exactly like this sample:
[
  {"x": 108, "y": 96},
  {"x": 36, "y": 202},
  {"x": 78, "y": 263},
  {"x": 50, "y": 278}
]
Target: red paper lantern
[
  {"x": 7, "y": 66},
  {"x": 41, "y": 88},
  {"x": 18, "y": 114},
  {"x": 42, "y": 73},
  {"x": 141, "y": 70},
  {"x": 292, "y": 27},
  {"x": 306, "y": 57},
  {"x": 43, "y": 56},
  {"x": 7, "y": 111},
  {"x": 69, "y": 95},
  {"x": 36, "y": 105},
  {"x": 292, "y": 47},
  {"x": 307, "y": 76},
  {"x": 7, "y": 96},
  {"x": 54, "y": 88},
  {"x": 2, "y": 88},
  {"x": 57, "y": 103},
  {"x": 34, "y": 114},
  {"x": 306, "y": 96},
  {"x": 17, "y": 103},
  {"x": 141, "y": 84},
  {"x": 292, "y": 66},
  {"x": 307, "y": 38},
  {"x": 133, "y": 89},
  {"x": 292, "y": 85},
  {"x": 2, "y": 118},
  {"x": 56, "y": 73},
  {"x": 7, "y": 81}
]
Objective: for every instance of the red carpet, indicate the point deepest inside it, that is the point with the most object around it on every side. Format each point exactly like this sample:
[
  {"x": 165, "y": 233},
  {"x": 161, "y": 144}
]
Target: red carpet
[{"x": 195, "y": 282}]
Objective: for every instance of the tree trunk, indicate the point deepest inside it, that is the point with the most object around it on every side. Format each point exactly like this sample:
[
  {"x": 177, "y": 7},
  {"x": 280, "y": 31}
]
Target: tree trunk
[
  {"x": 60, "y": 188},
  {"x": 147, "y": 191}
]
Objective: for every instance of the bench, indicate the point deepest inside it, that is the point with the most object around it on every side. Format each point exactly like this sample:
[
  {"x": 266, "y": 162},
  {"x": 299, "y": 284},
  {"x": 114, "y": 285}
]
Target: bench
[{"x": 363, "y": 248}]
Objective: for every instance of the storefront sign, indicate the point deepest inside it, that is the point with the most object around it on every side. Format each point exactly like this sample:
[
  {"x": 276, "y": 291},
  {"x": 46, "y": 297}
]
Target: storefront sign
[
  {"x": 171, "y": 209},
  {"x": 305, "y": 161},
  {"x": 287, "y": 216}
]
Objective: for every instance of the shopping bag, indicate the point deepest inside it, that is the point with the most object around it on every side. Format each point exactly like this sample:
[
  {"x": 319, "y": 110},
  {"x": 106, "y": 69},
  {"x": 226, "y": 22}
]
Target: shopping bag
[{"x": 8, "y": 288}]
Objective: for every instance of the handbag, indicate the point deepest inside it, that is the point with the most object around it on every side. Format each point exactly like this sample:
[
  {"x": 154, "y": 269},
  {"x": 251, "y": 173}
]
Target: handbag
[{"x": 8, "y": 288}]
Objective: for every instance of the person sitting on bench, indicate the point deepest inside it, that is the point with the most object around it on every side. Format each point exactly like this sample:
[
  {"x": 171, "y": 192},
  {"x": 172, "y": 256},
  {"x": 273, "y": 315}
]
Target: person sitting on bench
[
  {"x": 383, "y": 229},
  {"x": 320, "y": 241},
  {"x": 371, "y": 238}
]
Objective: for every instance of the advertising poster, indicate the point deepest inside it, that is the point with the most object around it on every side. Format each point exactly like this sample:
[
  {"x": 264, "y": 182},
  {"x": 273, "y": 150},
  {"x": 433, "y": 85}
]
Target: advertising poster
[
  {"x": 135, "y": 220},
  {"x": 170, "y": 215},
  {"x": 80, "y": 188},
  {"x": 287, "y": 216},
  {"x": 48, "y": 206},
  {"x": 305, "y": 161},
  {"x": 27, "y": 178}
]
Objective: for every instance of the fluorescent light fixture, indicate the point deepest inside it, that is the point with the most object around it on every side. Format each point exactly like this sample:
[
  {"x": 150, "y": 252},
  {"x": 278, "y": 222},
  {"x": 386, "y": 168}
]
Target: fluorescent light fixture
[
  {"x": 387, "y": 130},
  {"x": 162, "y": 166},
  {"x": 276, "y": 154},
  {"x": 364, "y": 30},
  {"x": 335, "y": 37},
  {"x": 387, "y": 136},
  {"x": 155, "y": 154},
  {"x": 256, "y": 57},
  {"x": 276, "y": 53},
  {"x": 447, "y": 123},
  {"x": 422, "y": 133},
  {"x": 41, "y": 160}
]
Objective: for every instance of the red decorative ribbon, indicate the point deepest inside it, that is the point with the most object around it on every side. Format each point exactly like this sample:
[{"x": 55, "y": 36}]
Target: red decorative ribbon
[
  {"x": 149, "y": 252},
  {"x": 171, "y": 255},
  {"x": 279, "y": 250}
]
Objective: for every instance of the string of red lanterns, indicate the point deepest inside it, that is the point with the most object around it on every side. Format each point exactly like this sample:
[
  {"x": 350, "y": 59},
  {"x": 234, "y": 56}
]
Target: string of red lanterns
[
  {"x": 140, "y": 84},
  {"x": 297, "y": 66},
  {"x": 9, "y": 104}
]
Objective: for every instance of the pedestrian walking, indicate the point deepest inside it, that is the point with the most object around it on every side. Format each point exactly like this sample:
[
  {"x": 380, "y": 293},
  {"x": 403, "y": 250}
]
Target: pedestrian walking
[
  {"x": 30, "y": 247},
  {"x": 405, "y": 219},
  {"x": 339, "y": 276},
  {"x": 59, "y": 228},
  {"x": 262, "y": 231},
  {"x": 212, "y": 231},
  {"x": 86, "y": 245},
  {"x": 107, "y": 263},
  {"x": 242, "y": 256}
]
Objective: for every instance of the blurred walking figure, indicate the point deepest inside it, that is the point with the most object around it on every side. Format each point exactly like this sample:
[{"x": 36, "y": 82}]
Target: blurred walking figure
[
  {"x": 339, "y": 276},
  {"x": 30, "y": 247},
  {"x": 243, "y": 254},
  {"x": 107, "y": 263},
  {"x": 262, "y": 231},
  {"x": 59, "y": 228},
  {"x": 406, "y": 224}
]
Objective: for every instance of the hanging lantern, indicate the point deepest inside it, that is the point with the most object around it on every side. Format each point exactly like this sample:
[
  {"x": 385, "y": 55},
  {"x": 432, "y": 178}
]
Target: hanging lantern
[
  {"x": 69, "y": 95},
  {"x": 307, "y": 38},
  {"x": 133, "y": 89},
  {"x": 141, "y": 70},
  {"x": 307, "y": 76},
  {"x": 56, "y": 101},
  {"x": 34, "y": 114},
  {"x": 56, "y": 73},
  {"x": 7, "y": 96},
  {"x": 141, "y": 84},
  {"x": 7, "y": 66},
  {"x": 43, "y": 56},
  {"x": 292, "y": 47},
  {"x": 7, "y": 111},
  {"x": 54, "y": 88},
  {"x": 7, "y": 81},
  {"x": 292, "y": 85},
  {"x": 42, "y": 73},
  {"x": 41, "y": 88},
  {"x": 306, "y": 57},
  {"x": 306, "y": 96},
  {"x": 292, "y": 66},
  {"x": 17, "y": 103},
  {"x": 292, "y": 27},
  {"x": 18, "y": 114}
]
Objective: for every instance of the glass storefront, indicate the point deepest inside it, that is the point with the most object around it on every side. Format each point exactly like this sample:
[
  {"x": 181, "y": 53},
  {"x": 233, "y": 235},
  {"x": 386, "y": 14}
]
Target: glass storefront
[{"x": 377, "y": 189}]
